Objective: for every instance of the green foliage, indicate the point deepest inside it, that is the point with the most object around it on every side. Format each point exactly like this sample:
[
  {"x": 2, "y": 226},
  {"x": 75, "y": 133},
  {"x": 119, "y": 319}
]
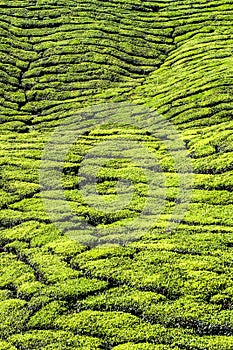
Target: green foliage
[
  {"x": 44, "y": 318},
  {"x": 114, "y": 327},
  {"x": 69, "y": 290},
  {"x": 143, "y": 346},
  {"x": 6, "y": 346},
  {"x": 164, "y": 291},
  {"x": 63, "y": 247},
  {"x": 209, "y": 343},
  {"x": 4, "y": 294},
  {"x": 123, "y": 299},
  {"x": 14, "y": 272},
  {"x": 13, "y": 317},
  {"x": 51, "y": 340},
  {"x": 50, "y": 266},
  {"x": 33, "y": 231}
]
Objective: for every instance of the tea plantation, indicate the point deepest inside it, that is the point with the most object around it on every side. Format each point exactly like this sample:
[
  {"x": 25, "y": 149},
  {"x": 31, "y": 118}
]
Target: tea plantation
[{"x": 166, "y": 289}]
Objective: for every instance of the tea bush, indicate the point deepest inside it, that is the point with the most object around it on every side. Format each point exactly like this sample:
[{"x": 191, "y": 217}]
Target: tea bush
[{"x": 48, "y": 339}]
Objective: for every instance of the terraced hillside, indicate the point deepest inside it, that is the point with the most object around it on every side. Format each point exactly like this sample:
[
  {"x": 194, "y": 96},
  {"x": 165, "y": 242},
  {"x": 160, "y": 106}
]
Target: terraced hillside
[{"x": 167, "y": 289}]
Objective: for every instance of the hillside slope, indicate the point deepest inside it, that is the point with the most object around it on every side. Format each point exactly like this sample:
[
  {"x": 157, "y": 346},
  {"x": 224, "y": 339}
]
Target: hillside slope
[{"x": 166, "y": 289}]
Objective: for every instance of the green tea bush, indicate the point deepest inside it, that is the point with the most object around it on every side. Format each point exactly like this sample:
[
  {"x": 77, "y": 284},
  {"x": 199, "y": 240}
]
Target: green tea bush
[
  {"x": 5, "y": 294},
  {"x": 50, "y": 267},
  {"x": 70, "y": 290},
  {"x": 123, "y": 299},
  {"x": 28, "y": 289},
  {"x": 64, "y": 247},
  {"x": 6, "y": 346},
  {"x": 48, "y": 339},
  {"x": 13, "y": 317},
  {"x": 10, "y": 218},
  {"x": 151, "y": 272},
  {"x": 34, "y": 232},
  {"x": 14, "y": 272},
  {"x": 207, "y": 342},
  {"x": 143, "y": 346},
  {"x": 44, "y": 318},
  {"x": 17, "y": 126},
  {"x": 114, "y": 327}
]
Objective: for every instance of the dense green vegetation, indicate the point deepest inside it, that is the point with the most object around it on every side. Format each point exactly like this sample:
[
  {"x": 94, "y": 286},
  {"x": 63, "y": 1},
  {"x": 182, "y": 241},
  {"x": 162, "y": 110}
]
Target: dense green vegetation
[{"x": 166, "y": 290}]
